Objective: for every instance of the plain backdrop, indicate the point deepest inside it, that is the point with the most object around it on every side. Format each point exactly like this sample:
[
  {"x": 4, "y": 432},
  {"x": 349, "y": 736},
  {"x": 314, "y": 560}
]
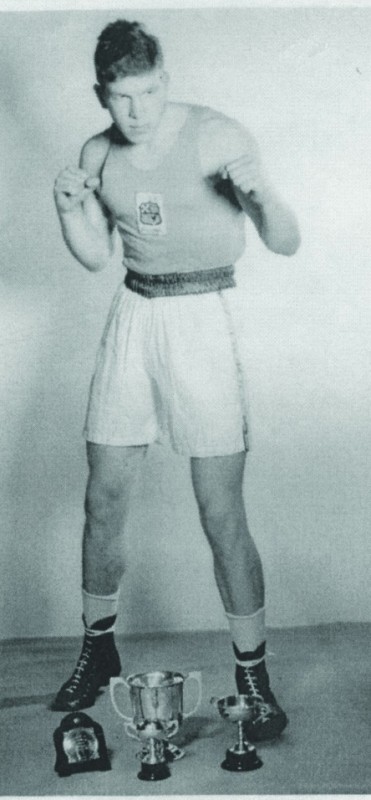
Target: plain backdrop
[{"x": 300, "y": 80}]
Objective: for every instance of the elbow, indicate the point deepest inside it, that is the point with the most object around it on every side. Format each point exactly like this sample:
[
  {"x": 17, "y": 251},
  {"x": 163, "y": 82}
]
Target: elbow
[
  {"x": 96, "y": 265},
  {"x": 93, "y": 264},
  {"x": 286, "y": 246},
  {"x": 99, "y": 261},
  {"x": 294, "y": 244},
  {"x": 293, "y": 240},
  {"x": 289, "y": 247}
]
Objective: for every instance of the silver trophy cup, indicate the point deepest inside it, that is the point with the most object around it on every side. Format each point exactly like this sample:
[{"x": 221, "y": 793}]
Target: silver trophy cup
[
  {"x": 157, "y": 713},
  {"x": 242, "y": 756}
]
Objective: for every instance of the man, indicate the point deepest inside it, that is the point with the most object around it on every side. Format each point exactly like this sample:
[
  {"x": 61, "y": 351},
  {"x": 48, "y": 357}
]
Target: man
[{"x": 176, "y": 181}]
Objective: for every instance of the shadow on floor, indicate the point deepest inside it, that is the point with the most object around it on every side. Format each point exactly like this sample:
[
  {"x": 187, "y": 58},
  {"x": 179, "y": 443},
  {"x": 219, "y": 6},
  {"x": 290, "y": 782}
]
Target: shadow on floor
[{"x": 321, "y": 676}]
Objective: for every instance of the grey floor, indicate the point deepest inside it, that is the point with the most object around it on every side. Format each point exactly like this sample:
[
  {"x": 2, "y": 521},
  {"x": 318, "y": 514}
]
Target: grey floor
[{"x": 322, "y": 676}]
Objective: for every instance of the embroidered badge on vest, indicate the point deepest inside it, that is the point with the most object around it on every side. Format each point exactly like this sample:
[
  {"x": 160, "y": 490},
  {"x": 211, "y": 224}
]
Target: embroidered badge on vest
[{"x": 150, "y": 213}]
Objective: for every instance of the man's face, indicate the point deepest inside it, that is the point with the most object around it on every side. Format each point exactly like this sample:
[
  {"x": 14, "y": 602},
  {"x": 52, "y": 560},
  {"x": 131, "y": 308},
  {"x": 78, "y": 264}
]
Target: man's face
[{"x": 136, "y": 104}]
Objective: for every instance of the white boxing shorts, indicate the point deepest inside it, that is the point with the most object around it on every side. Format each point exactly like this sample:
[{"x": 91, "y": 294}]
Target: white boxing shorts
[{"x": 168, "y": 368}]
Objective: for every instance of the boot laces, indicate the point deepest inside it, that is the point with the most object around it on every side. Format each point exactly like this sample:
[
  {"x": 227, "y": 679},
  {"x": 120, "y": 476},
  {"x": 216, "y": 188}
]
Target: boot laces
[
  {"x": 81, "y": 665},
  {"x": 253, "y": 691}
]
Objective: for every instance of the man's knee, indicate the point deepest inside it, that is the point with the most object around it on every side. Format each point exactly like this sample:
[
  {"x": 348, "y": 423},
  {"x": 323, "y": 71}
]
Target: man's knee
[
  {"x": 112, "y": 474},
  {"x": 221, "y": 511},
  {"x": 217, "y": 484},
  {"x": 104, "y": 499}
]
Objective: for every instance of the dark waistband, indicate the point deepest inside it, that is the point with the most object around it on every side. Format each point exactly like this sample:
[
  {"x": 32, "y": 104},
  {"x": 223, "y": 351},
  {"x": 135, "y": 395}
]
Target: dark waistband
[{"x": 177, "y": 283}]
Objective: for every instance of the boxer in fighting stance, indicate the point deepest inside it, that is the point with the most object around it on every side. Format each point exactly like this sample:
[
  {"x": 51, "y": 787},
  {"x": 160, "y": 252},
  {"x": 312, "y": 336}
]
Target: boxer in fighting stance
[{"x": 176, "y": 181}]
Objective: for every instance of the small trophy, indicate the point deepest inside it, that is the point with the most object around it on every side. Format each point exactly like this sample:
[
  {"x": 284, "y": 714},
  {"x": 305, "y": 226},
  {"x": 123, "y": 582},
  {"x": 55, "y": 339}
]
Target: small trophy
[
  {"x": 242, "y": 756},
  {"x": 157, "y": 706},
  {"x": 80, "y": 745}
]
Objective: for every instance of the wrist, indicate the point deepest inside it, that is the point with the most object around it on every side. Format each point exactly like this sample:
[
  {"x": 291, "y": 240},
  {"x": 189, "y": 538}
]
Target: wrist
[{"x": 262, "y": 195}]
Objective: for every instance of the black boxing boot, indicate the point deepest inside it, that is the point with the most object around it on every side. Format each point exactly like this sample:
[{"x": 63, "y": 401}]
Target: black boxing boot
[
  {"x": 98, "y": 662},
  {"x": 269, "y": 720}
]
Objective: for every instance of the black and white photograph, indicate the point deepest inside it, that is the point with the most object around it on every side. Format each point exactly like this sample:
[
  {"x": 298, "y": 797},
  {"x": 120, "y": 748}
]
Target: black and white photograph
[{"x": 185, "y": 383}]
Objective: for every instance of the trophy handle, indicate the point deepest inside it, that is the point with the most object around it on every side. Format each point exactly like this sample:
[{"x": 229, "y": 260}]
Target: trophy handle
[
  {"x": 130, "y": 730},
  {"x": 112, "y": 685},
  {"x": 194, "y": 676},
  {"x": 172, "y": 728}
]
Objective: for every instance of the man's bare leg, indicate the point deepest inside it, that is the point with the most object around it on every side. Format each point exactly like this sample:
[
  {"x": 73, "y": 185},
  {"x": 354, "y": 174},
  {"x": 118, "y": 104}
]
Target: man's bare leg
[
  {"x": 113, "y": 472},
  {"x": 218, "y": 485}
]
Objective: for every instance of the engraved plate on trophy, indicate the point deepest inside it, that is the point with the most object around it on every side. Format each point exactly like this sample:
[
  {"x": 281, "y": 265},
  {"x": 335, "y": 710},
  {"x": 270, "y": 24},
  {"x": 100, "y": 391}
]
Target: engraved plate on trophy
[{"x": 80, "y": 745}]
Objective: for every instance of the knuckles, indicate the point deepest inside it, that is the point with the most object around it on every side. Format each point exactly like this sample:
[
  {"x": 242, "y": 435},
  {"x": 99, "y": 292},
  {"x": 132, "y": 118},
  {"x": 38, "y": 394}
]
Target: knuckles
[{"x": 68, "y": 183}]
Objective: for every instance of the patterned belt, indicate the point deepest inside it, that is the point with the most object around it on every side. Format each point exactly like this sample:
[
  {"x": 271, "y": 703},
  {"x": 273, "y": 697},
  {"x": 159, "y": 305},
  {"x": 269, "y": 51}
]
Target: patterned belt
[{"x": 177, "y": 283}]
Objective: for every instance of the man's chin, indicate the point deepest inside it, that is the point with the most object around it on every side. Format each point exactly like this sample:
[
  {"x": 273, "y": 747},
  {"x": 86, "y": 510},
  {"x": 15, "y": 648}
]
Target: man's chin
[{"x": 139, "y": 134}]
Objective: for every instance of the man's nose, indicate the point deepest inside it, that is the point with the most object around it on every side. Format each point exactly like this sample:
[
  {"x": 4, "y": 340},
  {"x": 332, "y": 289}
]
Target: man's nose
[{"x": 136, "y": 107}]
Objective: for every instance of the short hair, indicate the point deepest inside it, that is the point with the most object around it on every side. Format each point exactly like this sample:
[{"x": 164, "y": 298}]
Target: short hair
[{"x": 125, "y": 48}]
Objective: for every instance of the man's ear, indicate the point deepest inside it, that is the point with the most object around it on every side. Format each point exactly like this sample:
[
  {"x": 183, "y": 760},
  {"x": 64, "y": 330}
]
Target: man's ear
[{"x": 99, "y": 91}]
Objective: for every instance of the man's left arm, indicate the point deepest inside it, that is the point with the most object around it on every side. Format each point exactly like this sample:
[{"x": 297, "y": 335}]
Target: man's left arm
[
  {"x": 228, "y": 150},
  {"x": 275, "y": 222}
]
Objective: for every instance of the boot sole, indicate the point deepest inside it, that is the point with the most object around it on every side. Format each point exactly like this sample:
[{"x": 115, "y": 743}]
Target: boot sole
[
  {"x": 88, "y": 703},
  {"x": 273, "y": 730}
]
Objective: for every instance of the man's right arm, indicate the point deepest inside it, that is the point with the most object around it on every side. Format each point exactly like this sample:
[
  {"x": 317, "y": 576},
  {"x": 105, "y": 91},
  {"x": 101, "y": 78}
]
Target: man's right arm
[{"x": 86, "y": 228}]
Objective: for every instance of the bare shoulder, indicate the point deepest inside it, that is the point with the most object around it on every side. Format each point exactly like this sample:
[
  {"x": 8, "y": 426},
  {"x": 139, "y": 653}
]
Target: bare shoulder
[
  {"x": 94, "y": 151},
  {"x": 92, "y": 158},
  {"x": 222, "y": 139}
]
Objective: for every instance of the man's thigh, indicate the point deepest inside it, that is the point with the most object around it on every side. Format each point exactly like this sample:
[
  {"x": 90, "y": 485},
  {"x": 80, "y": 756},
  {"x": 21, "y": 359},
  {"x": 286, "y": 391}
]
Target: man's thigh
[{"x": 113, "y": 467}]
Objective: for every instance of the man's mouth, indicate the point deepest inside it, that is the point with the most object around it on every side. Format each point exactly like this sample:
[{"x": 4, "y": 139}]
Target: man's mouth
[{"x": 139, "y": 128}]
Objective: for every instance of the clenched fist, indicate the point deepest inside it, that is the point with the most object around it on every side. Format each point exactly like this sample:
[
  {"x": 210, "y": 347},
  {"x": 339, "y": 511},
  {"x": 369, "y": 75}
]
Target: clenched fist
[
  {"x": 71, "y": 188},
  {"x": 245, "y": 174}
]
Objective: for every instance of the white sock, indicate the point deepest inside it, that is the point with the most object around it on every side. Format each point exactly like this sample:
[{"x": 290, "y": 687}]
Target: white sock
[
  {"x": 248, "y": 637},
  {"x": 98, "y": 607}
]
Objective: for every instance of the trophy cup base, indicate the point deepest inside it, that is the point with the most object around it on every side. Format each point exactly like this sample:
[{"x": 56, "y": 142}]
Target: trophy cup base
[
  {"x": 154, "y": 772},
  {"x": 241, "y": 762}
]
